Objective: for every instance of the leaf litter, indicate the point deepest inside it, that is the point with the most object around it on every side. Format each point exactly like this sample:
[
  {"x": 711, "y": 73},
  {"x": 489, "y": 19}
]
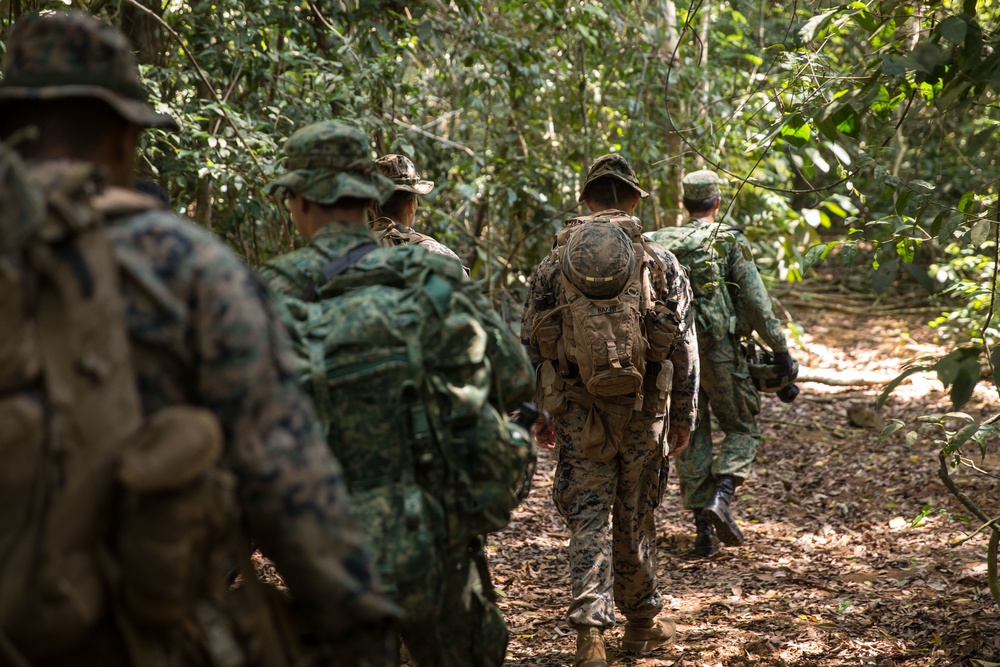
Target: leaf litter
[{"x": 833, "y": 571}]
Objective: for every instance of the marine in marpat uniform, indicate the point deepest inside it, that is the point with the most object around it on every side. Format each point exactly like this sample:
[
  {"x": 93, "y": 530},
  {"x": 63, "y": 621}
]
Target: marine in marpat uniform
[
  {"x": 731, "y": 303},
  {"x": 381, "y": 333},
  {"x": 205, "y": 346},
  {"x": 609, "y": 325},
  {"x": 393, "y": 219}
]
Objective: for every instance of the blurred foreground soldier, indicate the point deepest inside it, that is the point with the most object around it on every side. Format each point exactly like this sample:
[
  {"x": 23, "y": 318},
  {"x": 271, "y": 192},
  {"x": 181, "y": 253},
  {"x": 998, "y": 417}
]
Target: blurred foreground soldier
[
  {"x": 394, "y": 218},
  {"x": 731, "y": 303},
  {"x": 147, "y": 406},
  {"x": 412, "y": 372},
  {"x": 610, "y": 328}
]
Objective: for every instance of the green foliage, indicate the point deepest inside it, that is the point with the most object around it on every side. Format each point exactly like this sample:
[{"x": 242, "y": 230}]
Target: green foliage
[{"x": 862, "y": 131}]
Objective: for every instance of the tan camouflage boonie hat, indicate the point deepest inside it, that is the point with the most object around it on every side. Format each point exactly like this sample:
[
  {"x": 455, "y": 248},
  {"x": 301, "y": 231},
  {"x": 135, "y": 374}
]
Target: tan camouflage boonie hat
[
  {"x": 701, "y": 184},
  {"x": 612, "y": 165},
  {"x": 400, "y": 169},
  {"x": 328, "y": 161},
  {"x": 599, "y": 259},
  {"x": 55, "y": 55}
]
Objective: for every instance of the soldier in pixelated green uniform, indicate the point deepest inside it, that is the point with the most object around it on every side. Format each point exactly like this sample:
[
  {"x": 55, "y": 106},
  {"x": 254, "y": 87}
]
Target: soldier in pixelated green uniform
[
  {"x": 729, "y": 307},
  {"x": 608, "y": 499},
  {"x": 203, "y": 334},
  {"x": 330, "y": 184}
]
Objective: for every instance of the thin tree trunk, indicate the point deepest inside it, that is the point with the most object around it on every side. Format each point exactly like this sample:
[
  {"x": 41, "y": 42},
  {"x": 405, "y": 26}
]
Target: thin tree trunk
[{"x": 670, "y": 197}]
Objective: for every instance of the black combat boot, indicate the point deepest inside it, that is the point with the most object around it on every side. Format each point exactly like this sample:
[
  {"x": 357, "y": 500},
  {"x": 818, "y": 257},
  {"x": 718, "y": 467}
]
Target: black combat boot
[
  {"x": 705, "y": 541},
  {"x": 718, "y": 513}
]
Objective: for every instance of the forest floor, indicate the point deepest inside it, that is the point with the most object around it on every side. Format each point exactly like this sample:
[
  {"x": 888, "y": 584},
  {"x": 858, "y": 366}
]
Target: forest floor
[{"x": 832, "y": 572}]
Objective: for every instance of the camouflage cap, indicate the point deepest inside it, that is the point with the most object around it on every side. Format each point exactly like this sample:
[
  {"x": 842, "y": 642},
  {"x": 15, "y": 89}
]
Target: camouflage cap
[
  {"x": 612, "y": 165},
  {"x": 400, "y": 169},
  {"x": 57, "y": 54},
  {"x": 330, "y": 160},
  {"x": 701, "y": 184}
]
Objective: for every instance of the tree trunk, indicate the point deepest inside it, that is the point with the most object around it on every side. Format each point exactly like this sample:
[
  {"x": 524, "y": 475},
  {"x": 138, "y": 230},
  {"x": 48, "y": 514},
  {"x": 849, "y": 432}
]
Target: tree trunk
[
  {"x": 143, "y": 31},
  {"x": 670, "y": 197}
]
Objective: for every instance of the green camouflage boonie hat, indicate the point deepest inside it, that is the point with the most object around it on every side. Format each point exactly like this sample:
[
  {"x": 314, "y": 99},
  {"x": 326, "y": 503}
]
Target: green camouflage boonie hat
[
  {"x": 612, "y": 165},
  {"x": 598, "y": 259},
  {"x": 55, "y": 54},
  {"x": 328, "y": 161},
  {"x": 400, "y": 169},
  {"x": 701, "y": 184}
]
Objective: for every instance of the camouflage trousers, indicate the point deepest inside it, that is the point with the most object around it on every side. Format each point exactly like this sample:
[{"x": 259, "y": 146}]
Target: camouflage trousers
[
  {"x": 467, "y": 629},
  {"x": 726, "y": 390},
  {"x": 608, "y": 507}
]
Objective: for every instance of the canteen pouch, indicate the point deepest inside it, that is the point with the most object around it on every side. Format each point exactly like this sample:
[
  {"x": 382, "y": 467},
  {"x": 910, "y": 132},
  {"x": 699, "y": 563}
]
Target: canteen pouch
[
  {"x": 551, "y": 389},
  {"x": 547, "y": 335},
  {"x": 656, "y": 399},
  {"x": 175, "y": 505},
  {"x": 662, "y": 330}
]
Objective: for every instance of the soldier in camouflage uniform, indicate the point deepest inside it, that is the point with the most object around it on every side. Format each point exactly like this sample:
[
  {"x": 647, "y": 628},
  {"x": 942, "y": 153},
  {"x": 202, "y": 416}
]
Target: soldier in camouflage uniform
[
  {"x": 710, "y": 473},
  {"x": 394, "y": 218},
  {"x": 203, "y": 334},
  {"x": 613, "y": 562},
  {"x": 330, "y": 185}
]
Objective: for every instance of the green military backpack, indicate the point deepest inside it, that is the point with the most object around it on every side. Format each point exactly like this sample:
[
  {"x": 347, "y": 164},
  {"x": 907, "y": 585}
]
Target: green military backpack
[
  {"x": 699, "y": 249},
  {"x": 395, "y": 359}
]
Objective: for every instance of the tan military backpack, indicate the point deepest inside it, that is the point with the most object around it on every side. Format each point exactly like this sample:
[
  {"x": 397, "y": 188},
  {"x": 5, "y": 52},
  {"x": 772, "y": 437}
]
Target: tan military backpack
[
  {"x": 102, "y": 514},
  {"x": 68, "y": 404},
  {"x": 605, "y": 302}
]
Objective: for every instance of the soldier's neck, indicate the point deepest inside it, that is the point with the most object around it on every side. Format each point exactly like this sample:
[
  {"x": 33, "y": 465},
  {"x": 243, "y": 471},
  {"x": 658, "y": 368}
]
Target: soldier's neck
[{"x": 315, "y": 218}]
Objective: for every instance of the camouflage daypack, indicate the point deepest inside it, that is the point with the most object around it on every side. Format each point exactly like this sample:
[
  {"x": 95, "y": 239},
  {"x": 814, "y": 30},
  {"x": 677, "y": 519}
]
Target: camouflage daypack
[
  {"x": 608, "y": 328},
  {"x": 697, "y": 248},
  {"x": 395, "y": 359}
]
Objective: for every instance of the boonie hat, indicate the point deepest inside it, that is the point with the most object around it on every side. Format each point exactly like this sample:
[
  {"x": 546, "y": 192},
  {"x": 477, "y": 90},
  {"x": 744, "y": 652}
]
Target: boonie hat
[
  {"x": 598, "y": 259},
  {"x": 328, "y": 161},
  {"x": 56, "y": 54},
  {"x": 403, "y": 173},
  {"x": 701, "y": 184},
  {"x": 615, "y": 166}
]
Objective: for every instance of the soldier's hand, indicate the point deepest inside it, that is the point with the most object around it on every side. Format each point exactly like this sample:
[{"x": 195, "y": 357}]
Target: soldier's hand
[
  {"x": 545, "y": 433},
  {"x": 678, "y": 440},
  {"x": 783, "y": 363}
]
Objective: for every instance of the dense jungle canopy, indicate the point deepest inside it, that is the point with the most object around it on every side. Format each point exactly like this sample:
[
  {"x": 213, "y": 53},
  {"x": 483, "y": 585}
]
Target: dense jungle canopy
[
  {"x": 860, "y": 133},
  {"x": 858, "y": 142}
]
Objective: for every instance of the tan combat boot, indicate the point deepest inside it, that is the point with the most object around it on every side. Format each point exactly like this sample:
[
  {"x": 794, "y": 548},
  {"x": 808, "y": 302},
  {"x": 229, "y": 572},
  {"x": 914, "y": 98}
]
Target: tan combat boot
[
  {"x": 590, "y": 648},
  {"x": 641, "y": 637}
]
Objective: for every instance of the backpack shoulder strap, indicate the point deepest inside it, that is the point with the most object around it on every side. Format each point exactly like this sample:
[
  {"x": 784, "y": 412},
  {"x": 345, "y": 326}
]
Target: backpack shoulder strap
[{"x": 341, "y": 264}]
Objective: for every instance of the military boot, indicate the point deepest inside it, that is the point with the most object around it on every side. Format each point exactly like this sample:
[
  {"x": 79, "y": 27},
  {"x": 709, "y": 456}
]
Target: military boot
[
  {"x": 718, "y": 513},
  {"x": 641, "y": 637},
  {"x": 590, "y": 648},
  {"x": 705, "y": 541}
]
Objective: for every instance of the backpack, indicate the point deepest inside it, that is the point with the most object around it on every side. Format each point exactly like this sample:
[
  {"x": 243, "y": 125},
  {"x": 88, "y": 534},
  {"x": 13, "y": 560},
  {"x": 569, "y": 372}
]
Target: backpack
[
  {"x": 697, "y": 248},
  {"x": 391, "y": 233},
  {"x": 395, "y": 358},
  {"x": 609, "y": 335},
  {"x": 102, "y": 512},
  {"x": 68, "y": 404}
]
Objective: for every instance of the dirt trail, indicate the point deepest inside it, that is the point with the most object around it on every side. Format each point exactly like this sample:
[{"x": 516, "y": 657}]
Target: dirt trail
[{"x": 832, "y": 572}]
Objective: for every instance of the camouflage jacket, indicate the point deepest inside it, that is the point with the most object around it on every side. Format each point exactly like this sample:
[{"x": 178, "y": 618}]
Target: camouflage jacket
[
  {"x": 672, "y": 283},
  {"x": 746, "y": 289},
  {"x": 204, "y": 334},
  {"x": 299, "y": 272}
]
